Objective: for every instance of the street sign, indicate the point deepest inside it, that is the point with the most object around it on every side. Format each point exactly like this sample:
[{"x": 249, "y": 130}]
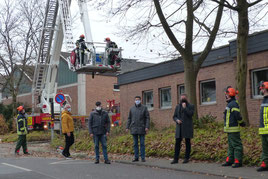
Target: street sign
[{"x": 59, "y": 98}]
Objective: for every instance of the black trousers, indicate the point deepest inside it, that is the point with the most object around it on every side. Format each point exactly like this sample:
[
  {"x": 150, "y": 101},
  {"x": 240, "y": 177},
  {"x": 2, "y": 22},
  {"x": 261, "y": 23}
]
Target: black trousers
[
  {"x": 178, "y": 148},
  {"x": 68, "y": 143}
]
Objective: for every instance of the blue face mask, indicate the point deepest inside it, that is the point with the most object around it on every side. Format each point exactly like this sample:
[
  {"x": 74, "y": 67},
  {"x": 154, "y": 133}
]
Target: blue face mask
[
  {"x": 137, "y": 102},
  {"x": 69, "y": 109}
]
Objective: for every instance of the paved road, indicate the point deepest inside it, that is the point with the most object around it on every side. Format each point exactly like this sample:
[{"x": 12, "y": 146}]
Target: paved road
[{"x": 44, "y": 168}]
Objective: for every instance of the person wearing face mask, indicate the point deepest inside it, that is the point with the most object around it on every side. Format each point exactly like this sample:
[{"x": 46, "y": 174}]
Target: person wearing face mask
[
  {"x": 232, "y": 123},
  {"x": 21, "y": 131},
  {"x": 263, "y": 129},
  {"x": 67, "y": 129},
  {"x": 138, "y": 123},
  {"x": 184, "y": 127},
  {"x": 99, "y": 129}
]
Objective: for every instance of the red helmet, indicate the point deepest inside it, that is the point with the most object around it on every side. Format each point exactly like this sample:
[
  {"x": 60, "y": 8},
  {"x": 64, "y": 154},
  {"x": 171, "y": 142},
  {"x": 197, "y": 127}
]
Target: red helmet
[
  {"x": 107, "y": 39},
  {"x": 82, "y": 36},
  {"x": 231, "y": 91},
  {"x": 20, "y": 108},
  {"x": 264, "y": 85}
]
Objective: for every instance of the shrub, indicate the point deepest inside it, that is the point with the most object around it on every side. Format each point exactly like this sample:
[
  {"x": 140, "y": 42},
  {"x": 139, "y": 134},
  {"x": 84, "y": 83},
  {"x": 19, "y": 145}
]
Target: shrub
[
  {"x": 3, "y": 125},
  {"x": 204, "y": 120}
]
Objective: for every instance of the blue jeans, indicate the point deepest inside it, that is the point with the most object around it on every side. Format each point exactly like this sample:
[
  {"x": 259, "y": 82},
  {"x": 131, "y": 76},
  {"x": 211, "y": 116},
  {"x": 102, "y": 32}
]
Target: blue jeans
[
  {"x": 136, "y": 145},
  {"x": 97, "y": 140}
]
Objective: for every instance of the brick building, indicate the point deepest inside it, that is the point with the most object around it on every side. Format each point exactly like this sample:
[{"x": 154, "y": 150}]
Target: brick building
[
  {"x": 160, "y": 85},
  {"x": 83, "y": 90}
]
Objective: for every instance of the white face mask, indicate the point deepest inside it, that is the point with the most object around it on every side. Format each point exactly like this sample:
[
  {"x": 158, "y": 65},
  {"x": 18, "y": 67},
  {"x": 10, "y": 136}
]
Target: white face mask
[
  {"x": 137, "y": 102},
  {"x": 69, "y": 109},
  {"x": 98, "y": 108}
]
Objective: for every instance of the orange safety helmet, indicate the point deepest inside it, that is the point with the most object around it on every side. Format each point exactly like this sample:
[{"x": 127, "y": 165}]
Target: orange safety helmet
[
  {"x": 20, "y": 108},
  {"x": 264, "y": 85},
  {"x": 231, "y": 91},
  {"x": 82, "y": 36},
  {"x": 107, "y": 39}
]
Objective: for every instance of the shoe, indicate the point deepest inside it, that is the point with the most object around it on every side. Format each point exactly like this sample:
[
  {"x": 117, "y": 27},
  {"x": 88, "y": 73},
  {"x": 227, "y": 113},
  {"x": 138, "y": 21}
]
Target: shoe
[
  {"x": 26, "y": 153},
  {"x": 69, "y": 158},
  {"x": 236, "y": 165},
  {"x": 64, "y": 155},
  {"x": 226, "y": 164},
  {"x": 107, "y": 162},
  {"x": 97, "y": 162},
  {"x": 185, "y": 161},
  {"x": 174, "y": 162},
  {"x": 135, "y": 160},
  {"x": 261, "y": 169},
  {"x": 143, "y": 160}
]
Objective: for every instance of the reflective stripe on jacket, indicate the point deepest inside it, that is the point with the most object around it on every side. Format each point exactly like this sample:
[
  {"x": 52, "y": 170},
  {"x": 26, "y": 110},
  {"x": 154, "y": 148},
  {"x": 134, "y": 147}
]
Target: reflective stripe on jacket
[
  {"x": 21, "y": 124},
  {"x": 232, "y": 117},
  {"x": 264, "y": 117}
]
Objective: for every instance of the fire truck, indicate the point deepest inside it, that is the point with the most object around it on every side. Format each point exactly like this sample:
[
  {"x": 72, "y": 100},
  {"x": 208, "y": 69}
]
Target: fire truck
[
  {"x": 57, "y": 28},
  {"x": 114, "y": 112}
]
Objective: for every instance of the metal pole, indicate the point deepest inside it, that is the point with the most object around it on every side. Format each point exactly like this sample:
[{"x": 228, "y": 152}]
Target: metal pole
[
  {"x": 52, "y": 120},
  {"x": 60, "y": 121}
]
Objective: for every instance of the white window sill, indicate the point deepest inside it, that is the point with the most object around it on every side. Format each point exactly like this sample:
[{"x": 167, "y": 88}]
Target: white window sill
[
  {"x": 208, "y": 103},
  {"x": 257, "y": 97},
  {"x": 164, "y": 108}
]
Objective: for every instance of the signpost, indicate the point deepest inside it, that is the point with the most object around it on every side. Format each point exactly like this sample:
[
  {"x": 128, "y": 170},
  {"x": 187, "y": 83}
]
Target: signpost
[{"x": 60, "y": 99}]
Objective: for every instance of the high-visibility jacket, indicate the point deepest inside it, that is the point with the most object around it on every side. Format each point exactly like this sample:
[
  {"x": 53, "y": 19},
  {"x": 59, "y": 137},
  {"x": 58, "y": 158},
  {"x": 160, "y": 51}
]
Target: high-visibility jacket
[
  {"x": 21, "y": 124},
  {"x": 232, "y": 117},
  {"x": 263, "y": 129}
]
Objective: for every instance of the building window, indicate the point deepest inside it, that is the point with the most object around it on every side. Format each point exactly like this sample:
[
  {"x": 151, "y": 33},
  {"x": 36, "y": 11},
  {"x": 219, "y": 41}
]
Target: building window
[
  {"x": 148, "y": 99},
  {"x": 181, "y": 90},
  {"x": 208, "y": 92},
  {"x": 258, "y": 76},
  {"x": 165, "y": 98},
  {"x": 116, "y": 87}
]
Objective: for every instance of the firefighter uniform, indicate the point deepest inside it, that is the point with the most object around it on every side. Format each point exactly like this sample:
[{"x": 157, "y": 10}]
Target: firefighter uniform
[
  {"x": 263, "y": 131},
  {"x": 232, "y": 122},
  {"x": 21, "y": 131}
]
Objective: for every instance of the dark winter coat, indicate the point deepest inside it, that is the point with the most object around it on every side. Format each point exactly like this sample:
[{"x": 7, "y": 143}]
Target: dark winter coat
[
  {"x": 138, "y": 119},
  {"x": 99, "y": 123},
  {"x": 81, "y": 44},
  {"x": 185, "y": 129}
]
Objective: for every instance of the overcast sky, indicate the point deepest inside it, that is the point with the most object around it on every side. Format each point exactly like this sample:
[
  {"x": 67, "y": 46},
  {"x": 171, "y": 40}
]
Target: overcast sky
[{"x": 146, "y": 51}]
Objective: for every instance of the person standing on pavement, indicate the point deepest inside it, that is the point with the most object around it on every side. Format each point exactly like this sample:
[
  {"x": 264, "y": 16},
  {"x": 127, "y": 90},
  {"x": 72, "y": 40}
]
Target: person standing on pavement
[
  {"x": 183, "y": 117},
  {"x": 263, "y": 129},
  {"x": 21, "y": 131},
  {"x": 138, "y": 123},
  {"x": 232, "y": 123},
  {"x": 99, "y": 129},
  {"x": 67, "y": 129}
]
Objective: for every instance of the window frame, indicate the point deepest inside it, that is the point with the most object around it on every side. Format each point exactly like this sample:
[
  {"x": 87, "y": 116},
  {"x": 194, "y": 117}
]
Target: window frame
[
  {"x": 178, "y": 92},
  {"x": 144, "y": 99},
  {"x": 160, "y": 99},
  {"x": 201, "y": 92},
  {"x": 252, "y": 82}
]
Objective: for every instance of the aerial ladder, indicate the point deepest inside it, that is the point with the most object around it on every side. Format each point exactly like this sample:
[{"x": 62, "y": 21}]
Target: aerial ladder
[{"x": 57, "y": 26}]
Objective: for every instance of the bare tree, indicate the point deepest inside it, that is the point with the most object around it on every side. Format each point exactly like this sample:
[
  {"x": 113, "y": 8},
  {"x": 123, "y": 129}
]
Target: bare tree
[
  {"x": 20, "y": 25},
  {"x": 184, "y": 23},
  {"x": 242, "y": 8}
]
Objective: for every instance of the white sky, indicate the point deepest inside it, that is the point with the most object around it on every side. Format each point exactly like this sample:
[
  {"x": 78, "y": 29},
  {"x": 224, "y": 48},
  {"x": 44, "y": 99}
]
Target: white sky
[{"x": 146, "y": 51}]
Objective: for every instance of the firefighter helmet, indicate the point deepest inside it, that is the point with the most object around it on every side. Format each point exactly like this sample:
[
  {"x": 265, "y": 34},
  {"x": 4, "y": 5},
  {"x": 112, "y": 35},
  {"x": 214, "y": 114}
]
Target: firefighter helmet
[
  {"x": 82, "y": 36},
  {"x": 107, "y": 39},
  {"x": 231, "y": 91},
  {"x": 264, "y": 85},
  {"x": 20, "y": 108}
]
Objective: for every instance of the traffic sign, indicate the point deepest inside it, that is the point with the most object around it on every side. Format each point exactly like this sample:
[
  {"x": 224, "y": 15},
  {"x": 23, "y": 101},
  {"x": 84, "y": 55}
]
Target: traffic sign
[{"x": 59, "y": 98}]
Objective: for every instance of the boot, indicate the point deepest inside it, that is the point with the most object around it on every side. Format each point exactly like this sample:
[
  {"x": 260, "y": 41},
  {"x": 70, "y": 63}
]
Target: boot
[
  {"x": 236, "y": 164},
  {"x": 262, "y": 168},
  {"x": 226, "y": 164},
  {"x": 185, "y": 160},
  {"x": 174, "y": 162}
]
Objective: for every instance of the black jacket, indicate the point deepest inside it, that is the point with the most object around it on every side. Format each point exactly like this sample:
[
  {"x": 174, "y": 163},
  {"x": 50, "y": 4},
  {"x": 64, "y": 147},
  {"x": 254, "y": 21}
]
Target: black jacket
[
  {"x": 185, "y": 129},
  {"x": 138, "y": 119},
  {"x": 99, "y": 123},
  {"x": 81, "y": 44}
]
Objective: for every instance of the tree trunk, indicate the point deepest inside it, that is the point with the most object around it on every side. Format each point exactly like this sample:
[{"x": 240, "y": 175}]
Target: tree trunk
[
  {"x": 190, "y": 76},
  {"x": 242, "y": 51},
  {"x": 14, "y": 104}
]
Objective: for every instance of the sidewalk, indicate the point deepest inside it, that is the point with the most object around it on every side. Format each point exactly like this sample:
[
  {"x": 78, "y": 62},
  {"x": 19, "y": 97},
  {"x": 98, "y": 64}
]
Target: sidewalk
[{"x": 202, "y": 168}]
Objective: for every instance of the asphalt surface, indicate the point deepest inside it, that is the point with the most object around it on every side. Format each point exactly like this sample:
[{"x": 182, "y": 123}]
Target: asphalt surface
[{"x": 47, "y": 168}]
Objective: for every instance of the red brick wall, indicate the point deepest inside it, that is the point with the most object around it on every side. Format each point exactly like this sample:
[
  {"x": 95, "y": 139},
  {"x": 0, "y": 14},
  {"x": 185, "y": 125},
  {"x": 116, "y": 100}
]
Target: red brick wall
[
  {"x": 100, "y": 89},
  {"x": 72, "y": 91},
  {"x": 223, "y": 74}
]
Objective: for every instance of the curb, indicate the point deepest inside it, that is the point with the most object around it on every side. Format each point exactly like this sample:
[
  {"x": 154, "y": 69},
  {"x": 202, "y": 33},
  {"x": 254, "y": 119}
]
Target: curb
[{"x": 174, "y": 169}]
